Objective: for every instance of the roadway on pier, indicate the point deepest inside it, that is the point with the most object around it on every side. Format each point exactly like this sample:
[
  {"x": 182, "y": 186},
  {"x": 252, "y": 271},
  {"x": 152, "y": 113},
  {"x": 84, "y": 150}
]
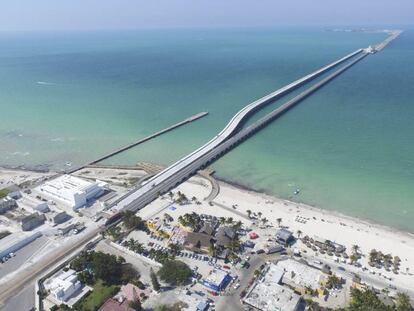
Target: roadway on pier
[{"x": 179, "y": 171}]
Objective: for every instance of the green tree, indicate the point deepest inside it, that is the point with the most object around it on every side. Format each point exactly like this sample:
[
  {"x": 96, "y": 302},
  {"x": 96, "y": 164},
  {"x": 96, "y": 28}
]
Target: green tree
[
  {"x": 234, "y": 245},
  {"x": 106, "y": 267},
  {"x": 154, "y": 280},
  {"x": 128, "y": 274},
  {"x": 312, "y": 305},
  {"x": 135, "y": 304},
  {"x": 353, "y": 258},
  {"x": 175, "y": 272},
  {"x": 403, "y": 302},
  {"x": 333, "y": 281},
  {"x": 132, "y": 221},
  {"x": 86, "y": 277},
  {"x": 175, "y": 248},
  {"x": 238, "y": 225},
  {"x": 81, "y": 262},
  {"x": 279, "y": 221},
  {"x": 171, "y": 195},
  {"x": 355, "y": 249},
  {"x": 110, "y": 268},
  {"x": 114, "y": 232},
  {"x": 366, "y": 301},
  {"x": 212, "y": 250}
]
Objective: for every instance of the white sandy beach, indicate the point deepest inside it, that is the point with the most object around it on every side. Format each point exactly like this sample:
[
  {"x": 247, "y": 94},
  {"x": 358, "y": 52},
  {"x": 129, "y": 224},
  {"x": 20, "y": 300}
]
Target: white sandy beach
[{"x": 316, "y": 222}]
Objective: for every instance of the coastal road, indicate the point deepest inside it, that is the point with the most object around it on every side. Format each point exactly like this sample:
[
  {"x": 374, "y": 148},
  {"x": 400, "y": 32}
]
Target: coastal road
[
  {"x": 24, "y": 300},
  {"x": 12, "y": 286},
  {"x": 373, "y": 280}
]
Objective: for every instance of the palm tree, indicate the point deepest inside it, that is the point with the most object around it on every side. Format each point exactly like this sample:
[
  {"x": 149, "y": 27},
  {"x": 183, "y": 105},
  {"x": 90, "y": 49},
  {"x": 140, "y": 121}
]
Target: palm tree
[
  {"x": 312, "y": 305},
  {"x": 249, "y": 213},
  {"x": 237, "y": 225},
  {"x": 170, "y": 194},
  {"x": 373, "y": 256},
  {"x": 353, "y": 258},
  {"x": 264, "y": 220},
  {"x": 212, "y": 250},
  {"x": 355, "y": 248},
  {"x": 279, "y": 221},
  {"x": 234, "y": 245},
  {"x": 333, "y": 281},
  {"x": 259, "y": 214},
  {"x": 130, "y": 243},
  {"x": 175, "y": 248},
  {"x": 193, "y": 199},
  {"x": 309, "y": 290},
  {"x": 299, "y": 233}
]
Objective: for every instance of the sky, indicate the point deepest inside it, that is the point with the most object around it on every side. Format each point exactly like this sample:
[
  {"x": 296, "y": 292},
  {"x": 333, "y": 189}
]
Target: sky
[{"x": 84, "y": 15}]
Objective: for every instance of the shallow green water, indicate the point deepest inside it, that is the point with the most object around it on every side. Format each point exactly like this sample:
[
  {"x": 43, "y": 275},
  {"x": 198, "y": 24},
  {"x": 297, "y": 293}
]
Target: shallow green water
[{"x": 348, "y": 147}]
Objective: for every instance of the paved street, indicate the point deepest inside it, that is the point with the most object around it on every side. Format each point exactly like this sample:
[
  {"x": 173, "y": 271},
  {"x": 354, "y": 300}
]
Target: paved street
[
  {"x": 23, "y": 301},
  {"x": 22, "y": 256},
  {"x": 232, "y": 303},
  {"x": 11, "y": 287}
]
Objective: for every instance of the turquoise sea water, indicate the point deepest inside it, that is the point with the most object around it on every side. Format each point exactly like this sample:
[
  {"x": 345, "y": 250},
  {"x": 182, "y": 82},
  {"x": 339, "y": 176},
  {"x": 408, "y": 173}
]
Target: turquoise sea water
[{"x": 72, "y": 97}]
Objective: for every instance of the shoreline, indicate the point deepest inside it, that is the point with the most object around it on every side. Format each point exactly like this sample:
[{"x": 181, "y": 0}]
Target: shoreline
[
  {"x": 239, "y": 186},
  {"x": 368, "y": 222},
  {"x": 362, "y": 221}
]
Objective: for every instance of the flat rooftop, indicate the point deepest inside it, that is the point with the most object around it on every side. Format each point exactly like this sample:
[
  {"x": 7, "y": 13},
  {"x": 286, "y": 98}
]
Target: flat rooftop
[
  {"x": 68, "y": 183},
  {"x": 216, "y": 276},
  {"x": 268, "y": 295},
  {"x": 14, "y": 238},
  {"x": 300, "y": 274}
]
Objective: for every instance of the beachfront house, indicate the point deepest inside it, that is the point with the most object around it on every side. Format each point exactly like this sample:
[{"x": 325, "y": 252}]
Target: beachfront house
[{"x": 284, "y": 236}]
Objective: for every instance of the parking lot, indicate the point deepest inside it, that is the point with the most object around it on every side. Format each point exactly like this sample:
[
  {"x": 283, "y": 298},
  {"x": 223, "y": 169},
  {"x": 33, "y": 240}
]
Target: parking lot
[{"x": 21, "y": 256}]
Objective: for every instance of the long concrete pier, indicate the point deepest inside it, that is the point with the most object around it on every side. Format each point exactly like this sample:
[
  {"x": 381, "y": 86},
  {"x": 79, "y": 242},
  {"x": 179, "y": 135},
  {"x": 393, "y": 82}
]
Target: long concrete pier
[
  {"x": 179, "y": 171},
  {"x": 393, "y": 34},
  {"x": 240, "y": 136},
  {"x": 278, "y": 112},
  {"x": 142, "y": 140}
]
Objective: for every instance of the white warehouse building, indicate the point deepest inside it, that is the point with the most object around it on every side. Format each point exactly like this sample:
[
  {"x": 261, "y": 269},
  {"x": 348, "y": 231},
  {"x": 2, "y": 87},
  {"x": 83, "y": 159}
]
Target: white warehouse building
[
  {"x": 64, "y": 285},
  {"x": 15, "y": 241},
  {"x": 72, "y": 191}
]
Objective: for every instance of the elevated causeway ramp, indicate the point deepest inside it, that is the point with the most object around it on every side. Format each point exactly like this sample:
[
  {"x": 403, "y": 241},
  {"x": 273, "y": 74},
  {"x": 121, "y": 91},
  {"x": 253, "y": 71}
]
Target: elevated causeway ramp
[{"x": 182, "y": 169}]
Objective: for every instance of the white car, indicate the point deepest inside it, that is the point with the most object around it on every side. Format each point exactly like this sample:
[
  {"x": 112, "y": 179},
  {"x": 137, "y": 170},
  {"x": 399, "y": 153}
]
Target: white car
[{"x": 236, "y": 286}]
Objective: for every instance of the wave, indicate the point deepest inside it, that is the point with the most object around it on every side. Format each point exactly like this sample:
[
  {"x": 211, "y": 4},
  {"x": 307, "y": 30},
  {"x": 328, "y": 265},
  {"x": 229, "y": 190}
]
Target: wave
[
  {"x": 57, "y": 139},
  {"x": 21, "y": 153},
  {"x": 45, "y": 83}
]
